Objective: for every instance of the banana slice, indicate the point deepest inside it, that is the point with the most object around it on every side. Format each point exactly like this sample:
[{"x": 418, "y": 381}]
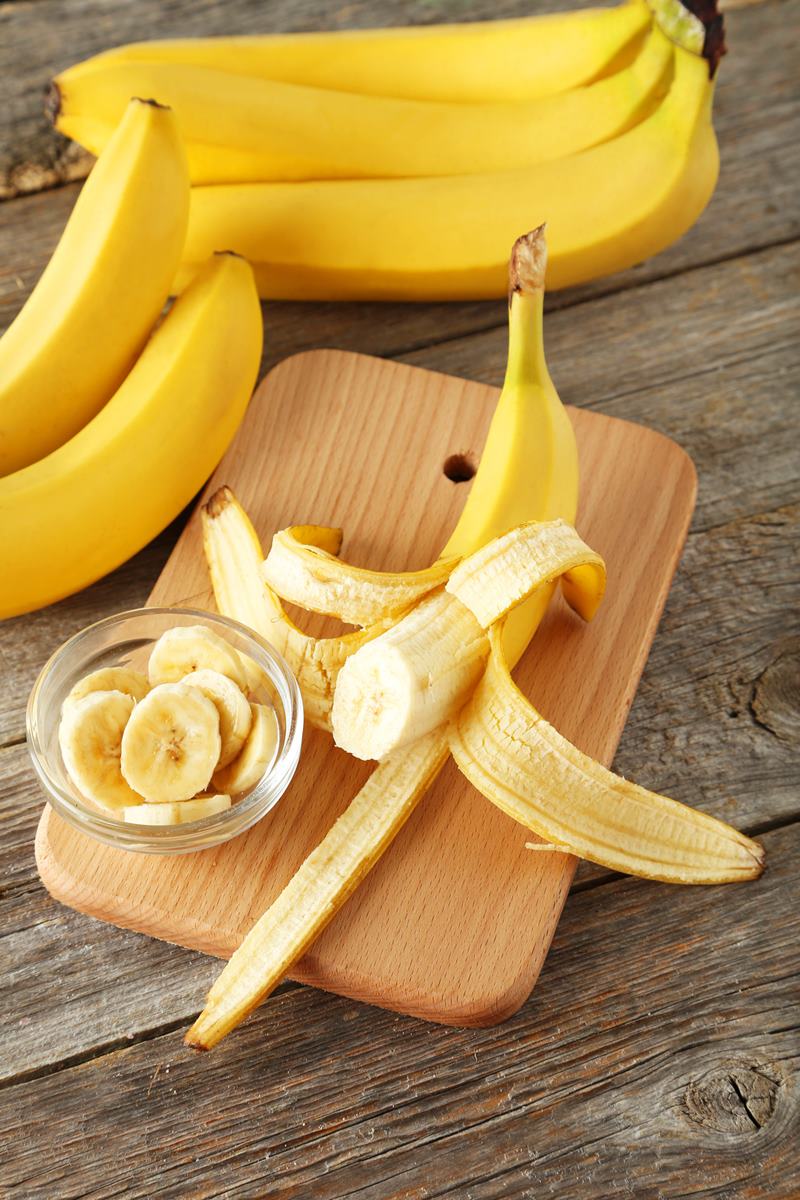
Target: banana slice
[
  {"x": 171, "y": 743},
  {"x": 90, "y": 737},
  {"x": 188, "y": 648},
  {"x": 256, "y": 757},
  {"x": 235, "y": 716},
  {"x": 176, "y": 814},
  {"x": 109, "y": 679}
]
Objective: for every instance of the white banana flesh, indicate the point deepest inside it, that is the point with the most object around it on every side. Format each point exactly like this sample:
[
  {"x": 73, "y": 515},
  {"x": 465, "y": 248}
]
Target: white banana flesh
[
  {"x": 90, "y": 738},
  {"x": 233, "y": 709},
  {"x": 510, "y": 753},
  {"x": 109, "y": 679},
  {"x": 256, "y": 756},
  {"x": 187, "y": 648},
  {"x": 303, "y": 571},
  {"x": 171, "y": 743},
  {"x": 177, "y": 814},
  {"x": 409, "y": 680}
]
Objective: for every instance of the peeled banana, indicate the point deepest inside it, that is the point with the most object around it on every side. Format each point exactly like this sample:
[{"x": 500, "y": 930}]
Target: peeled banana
[
  {"x": 171, "y": 743},
  {"x": 91, "y": 312},
  {"x": 188, "y": 648},
  {"x": 241, "y": 129},
  {"x": 177, "y": 814},
  {"x": 607, "y": 208},
  {"x": 255, "y": 757},
  {"x": 81, "y": 511},
  {"x": 233, "y": 710},
  {"x": 516, "y": 59},
  {"x": 109, "y": 679},
  {"x": 90, "y": 739}
]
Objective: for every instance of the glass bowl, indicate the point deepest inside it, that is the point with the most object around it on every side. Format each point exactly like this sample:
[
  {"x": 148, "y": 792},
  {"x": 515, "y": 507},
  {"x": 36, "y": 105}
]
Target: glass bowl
[{"x": 126, "y": 640}]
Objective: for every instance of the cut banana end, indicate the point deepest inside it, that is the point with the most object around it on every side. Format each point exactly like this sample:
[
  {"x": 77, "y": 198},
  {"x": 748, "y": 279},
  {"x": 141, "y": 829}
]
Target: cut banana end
[
  {"x": 235, "y": 560},
  {"x": 318, "y": 889},
  {"x": 508, "y": 569},
  {"x": 410, "y": 680},
  {"x": 90, "y": 737},
  {"x": 171, "y": 743},
  {"x": 176, "y": 814},
  {"x": 110, "y": 679},
  {"x": 301, "y": 571},
  {"x": 519, "y": 762},
  {"x": 233, "y": 709},
  {"x": 255, "y": 757},
  {"x": 188, "y": 648}
]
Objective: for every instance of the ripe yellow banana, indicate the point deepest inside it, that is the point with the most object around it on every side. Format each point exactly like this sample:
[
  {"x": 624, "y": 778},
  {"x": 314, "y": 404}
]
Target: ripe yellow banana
[
  {"x": 518, "y": 761},
  {"x": 90, "y": 314},
  {"x": 607, "y": 208},
  {"x": 81, "y": 511},
  {"x": 515, "y": 59},
  {"x": 241, "y": 129}
]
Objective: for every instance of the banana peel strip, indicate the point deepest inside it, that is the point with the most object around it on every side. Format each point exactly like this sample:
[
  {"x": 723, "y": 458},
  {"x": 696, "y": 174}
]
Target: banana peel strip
[
  {"x": 510, "y": 568},
  {"x": 303, "y": 570},
  {"x": 319, "y": 888},
  {"x": 510, "y": 753},
  {"x": 234, "y": 556}
]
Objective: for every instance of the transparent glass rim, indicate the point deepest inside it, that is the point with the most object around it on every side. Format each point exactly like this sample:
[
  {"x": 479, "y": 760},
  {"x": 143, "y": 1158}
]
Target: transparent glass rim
[{"x": 194, "y": 835}]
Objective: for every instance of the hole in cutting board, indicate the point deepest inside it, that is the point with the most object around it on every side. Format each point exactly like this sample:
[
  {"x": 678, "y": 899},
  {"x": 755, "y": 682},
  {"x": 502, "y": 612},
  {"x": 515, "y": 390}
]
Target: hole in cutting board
[{"x": 459, "y": 468}]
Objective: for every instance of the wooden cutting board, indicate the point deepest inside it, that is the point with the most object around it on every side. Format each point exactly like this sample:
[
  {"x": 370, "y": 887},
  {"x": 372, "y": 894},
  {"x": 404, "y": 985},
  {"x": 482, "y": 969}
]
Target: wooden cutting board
[{"x": 453, "y": 924}]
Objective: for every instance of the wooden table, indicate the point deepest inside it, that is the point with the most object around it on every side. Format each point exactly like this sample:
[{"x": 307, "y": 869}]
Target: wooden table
[{"x": 658, "y": 1056}]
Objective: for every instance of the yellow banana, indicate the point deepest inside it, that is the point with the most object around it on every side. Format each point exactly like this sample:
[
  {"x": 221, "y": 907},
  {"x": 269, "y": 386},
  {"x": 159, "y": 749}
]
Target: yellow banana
[
  {"x": 81, "y": 511},
  {"x": 242, "y": 129},
  {"x": 607, "y": 208},
  {"x": 515, "y": 59},
  {"x": 91, "y": 312}
]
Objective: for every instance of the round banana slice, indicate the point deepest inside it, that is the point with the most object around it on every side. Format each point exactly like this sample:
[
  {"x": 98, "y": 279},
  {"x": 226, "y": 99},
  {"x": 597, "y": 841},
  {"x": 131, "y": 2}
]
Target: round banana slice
[
  {"x": 235, "y": 717},
  {"x": 171, "y": 743},
  {"x": 188, "y": 648},
  {"x": 256, "y": 757},
  {"x": 110, "y": 679},
  {"x": 90, "y": 737},
  {"x": 176, "y": 814}
]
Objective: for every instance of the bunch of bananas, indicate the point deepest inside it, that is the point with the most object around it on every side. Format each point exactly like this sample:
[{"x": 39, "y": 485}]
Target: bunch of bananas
[
  {"x": 91, "y": 411},
  {"x": 428, "y": 673},
  {"x": 402, "y": 163}
]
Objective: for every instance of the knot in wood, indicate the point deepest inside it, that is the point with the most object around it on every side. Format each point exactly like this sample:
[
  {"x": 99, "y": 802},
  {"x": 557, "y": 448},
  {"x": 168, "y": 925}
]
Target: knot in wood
[
  {"x": 775, "y": 702},
  {"x": 734, "y": 1098}
]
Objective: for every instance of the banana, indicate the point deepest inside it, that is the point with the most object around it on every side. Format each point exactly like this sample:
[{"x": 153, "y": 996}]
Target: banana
[
  {"x": 109, "y": 679},
  {"x": 79, "y": 333},
  {"x": 81, "y": 511},
  {"x": 508, "y": 569},
  {"x": 319, "y": 888},
  {"x": 235, "y": 560},
  {"x": 187, "y": 648},
  {"x": 291, "y": 132},
  {"x": 255, "y": 757},
  {"x": 177, "y": 814},
  {"x": 518, "y": 761},
  {"x": 303, "y": 571},
  {"x": 416, "y": 676},
  {"x": 171, "y": 743},
  {"x": 409, "y": 680},
  {"x": 607, "y": 208},
  {"x": 233, "y": 709},
  {"x": 506, "y": 60},
  {"x": 90, "y": 739}
]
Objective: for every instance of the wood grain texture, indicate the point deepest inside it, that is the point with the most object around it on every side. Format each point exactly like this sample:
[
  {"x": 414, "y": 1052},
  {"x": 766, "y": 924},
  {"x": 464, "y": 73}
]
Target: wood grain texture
[
  {"x": 656, "y": 1060},
  {"x": 401, "y": 941}
]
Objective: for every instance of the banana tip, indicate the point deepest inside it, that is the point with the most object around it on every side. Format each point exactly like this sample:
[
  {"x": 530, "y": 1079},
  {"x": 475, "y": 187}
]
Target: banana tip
[
  {"x": 219, "y": 501},
  {"x": 528, "y": 262}
]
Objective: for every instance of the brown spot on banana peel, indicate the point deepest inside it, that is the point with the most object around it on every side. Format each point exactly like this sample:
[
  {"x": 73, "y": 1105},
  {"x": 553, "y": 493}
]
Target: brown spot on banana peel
[
  {"x": 527, "y": 264},
  {"x": 220, "y": 500}
]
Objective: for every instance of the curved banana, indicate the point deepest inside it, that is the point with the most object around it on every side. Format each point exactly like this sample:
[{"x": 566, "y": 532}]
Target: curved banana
[
  {"x": 607, "y": 208},
  {"x": 522, "y": 764},
  {"x": 242, "y": 129},
  {"x": 90, "y": 314},
  {"x": 514, "y": 59},
  {"x": 81, "y": 511}
]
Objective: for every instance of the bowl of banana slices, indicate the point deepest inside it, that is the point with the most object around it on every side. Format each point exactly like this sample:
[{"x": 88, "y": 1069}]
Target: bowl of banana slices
[{"x": 165, "y": 730}]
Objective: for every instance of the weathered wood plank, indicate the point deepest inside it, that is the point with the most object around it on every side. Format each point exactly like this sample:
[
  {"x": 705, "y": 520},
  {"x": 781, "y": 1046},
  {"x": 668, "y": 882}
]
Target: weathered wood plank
[{"x": 657, "y": 1058}]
